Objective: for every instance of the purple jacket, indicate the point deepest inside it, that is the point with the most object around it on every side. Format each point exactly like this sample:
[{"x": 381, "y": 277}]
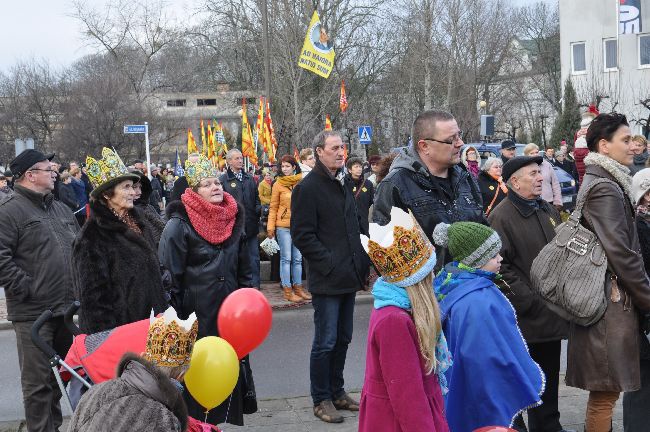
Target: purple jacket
[{"x": 397, "y": 396}]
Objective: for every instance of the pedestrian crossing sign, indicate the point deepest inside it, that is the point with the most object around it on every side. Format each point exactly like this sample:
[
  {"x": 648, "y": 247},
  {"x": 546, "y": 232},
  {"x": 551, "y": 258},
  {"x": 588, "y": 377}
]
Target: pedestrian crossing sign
[{"x": 365, "y": 135}]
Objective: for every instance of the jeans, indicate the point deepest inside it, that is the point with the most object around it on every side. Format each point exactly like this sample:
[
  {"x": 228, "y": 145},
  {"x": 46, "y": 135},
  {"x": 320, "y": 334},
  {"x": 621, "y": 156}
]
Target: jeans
[
  {"x": 600, "y": 408},
  {"x": 290, "y": 259},
  {"x": 253, "y": 247},
  {"x": 333, "y": 322},
  {"x": 637, "y": 404},
  {"x": 41, "y": 393}
]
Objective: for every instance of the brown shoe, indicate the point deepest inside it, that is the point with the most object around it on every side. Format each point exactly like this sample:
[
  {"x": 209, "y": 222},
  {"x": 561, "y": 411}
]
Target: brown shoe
[
  {"x": 326, "y": 412},
  {"x": 300, "y": 291},
  {"x": 345, "y": 402},
  {"x": 290, "y": 296}
]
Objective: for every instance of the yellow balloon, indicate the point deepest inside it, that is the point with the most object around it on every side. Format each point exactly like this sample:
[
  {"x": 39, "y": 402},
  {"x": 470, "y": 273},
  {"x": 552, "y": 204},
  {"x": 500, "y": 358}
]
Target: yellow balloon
[{"x": 213, "y": 372}]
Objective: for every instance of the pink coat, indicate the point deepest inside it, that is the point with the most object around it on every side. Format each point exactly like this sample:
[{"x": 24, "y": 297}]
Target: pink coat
[{"x": 397, "y": 396}]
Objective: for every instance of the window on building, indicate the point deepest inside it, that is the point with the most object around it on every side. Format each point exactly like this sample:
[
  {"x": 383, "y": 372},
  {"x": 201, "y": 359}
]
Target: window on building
[
  {"x": 251, "y": 101},
  {"x": 206, "y": 102},
  {"x": 610, "y": 54},
  {"x": 578, "y": 61},
  {"x": 176, "y": 103},
  {"x": 644, "y": 50}
]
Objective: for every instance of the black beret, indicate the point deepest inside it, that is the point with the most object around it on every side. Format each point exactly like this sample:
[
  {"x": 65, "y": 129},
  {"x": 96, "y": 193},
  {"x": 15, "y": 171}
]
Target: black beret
[
  {"x": 508, "y": 144},
  {"x": 510, "y": 167},
  {"x": 26, "y": 160}
]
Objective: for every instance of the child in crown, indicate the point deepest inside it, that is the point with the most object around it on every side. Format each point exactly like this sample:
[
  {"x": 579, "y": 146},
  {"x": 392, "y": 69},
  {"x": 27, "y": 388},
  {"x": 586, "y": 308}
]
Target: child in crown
[
  {"x": 406, "y": 352},
  {"x": 146, "y": 394},
  {"x": 493, "y": 378}
]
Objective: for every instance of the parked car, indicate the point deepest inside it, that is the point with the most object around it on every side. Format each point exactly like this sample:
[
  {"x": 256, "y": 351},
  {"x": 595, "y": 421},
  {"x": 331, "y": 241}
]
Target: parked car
[{"x": 568, "y": 186}]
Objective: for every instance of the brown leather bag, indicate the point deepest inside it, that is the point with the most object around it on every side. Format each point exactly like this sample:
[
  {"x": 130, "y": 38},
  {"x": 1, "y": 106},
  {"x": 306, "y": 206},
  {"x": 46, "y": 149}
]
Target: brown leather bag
[{"x": 569, "y": 272}]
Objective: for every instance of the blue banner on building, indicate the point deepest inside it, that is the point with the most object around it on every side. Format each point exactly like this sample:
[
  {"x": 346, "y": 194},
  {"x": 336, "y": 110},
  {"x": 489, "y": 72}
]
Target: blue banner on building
[{"x": 629, "y": 17}]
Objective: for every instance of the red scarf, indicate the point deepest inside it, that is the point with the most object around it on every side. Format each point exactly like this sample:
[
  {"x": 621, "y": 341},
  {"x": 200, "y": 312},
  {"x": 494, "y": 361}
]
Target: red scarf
[{"x": 213, "y": 222}]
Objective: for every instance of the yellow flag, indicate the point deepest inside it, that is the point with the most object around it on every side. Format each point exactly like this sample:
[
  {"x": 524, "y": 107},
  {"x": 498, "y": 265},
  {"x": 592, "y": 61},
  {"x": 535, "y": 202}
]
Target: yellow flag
[
  {"x": 204, "y": 143},
  {"x": 247, "y": 146},
  {"x": 317, "y": 54},
  {"x": 191, "y": 144},
  {"x": 259, "y": 126},
  {"x": 328, "y": 122}
]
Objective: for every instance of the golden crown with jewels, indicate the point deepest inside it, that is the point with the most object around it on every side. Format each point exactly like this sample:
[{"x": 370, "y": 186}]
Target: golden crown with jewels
[
  {"x": 170, "y": 340},
  {"x": 199, "y": 170},
  {"x": 107, "y": 171},
  {"x": 400, "y": 250}
]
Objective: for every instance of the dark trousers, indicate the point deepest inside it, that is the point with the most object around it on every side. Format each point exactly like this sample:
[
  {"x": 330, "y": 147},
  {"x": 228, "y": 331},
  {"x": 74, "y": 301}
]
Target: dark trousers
[
  {"x": 333, "y": 322},
  {"x": 41, "y": 394},
  {"x": 546, "y": 417},
  {"x": 253, "y": 247},
  {"x": 636, "y": 405}
]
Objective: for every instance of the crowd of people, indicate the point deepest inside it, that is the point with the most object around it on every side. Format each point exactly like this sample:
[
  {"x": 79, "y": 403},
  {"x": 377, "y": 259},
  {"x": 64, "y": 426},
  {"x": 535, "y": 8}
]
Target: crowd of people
[{"x": 458, "y": 337}]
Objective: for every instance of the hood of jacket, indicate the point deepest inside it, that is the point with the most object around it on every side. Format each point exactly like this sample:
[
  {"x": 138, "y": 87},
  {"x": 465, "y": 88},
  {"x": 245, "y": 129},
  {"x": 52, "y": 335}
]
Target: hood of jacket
[
  {"x": 463, "y": 154},
  {"x": 408, "y": 158},
  {"x": 454, "y": 282},
  {"x": 150, "y": 381},
  {"x": 177, "y": 209}
]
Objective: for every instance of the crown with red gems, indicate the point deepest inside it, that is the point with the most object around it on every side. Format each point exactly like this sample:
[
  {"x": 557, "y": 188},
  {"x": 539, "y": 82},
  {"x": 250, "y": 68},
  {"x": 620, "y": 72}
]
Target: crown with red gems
[{"x": 170, "y": 340}]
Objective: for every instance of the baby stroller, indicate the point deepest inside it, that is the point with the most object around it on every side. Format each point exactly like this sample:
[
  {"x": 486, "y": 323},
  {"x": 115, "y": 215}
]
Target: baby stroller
[{"x": 92, "y": 358}]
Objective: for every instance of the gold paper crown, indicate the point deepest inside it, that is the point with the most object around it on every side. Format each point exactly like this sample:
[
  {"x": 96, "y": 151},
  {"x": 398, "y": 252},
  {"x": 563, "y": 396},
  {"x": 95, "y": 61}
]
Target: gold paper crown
[
  {"x": 197, "y": 171},
  {"x": 109, "y": 168},
  {"x": 170, "y": 343},
  {"x": 399, "y": 249}
]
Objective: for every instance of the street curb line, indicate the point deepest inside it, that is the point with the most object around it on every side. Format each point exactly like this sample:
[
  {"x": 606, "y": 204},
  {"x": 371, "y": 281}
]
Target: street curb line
[{"x": 7, "y": 325}]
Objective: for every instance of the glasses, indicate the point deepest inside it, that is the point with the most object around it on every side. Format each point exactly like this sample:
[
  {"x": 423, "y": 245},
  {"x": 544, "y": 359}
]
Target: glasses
[{"x": 452, "y": 141}]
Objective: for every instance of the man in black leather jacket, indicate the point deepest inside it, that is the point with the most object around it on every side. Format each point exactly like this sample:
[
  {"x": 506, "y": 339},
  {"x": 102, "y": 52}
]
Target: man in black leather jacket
[{"x": 428, "y": 179}]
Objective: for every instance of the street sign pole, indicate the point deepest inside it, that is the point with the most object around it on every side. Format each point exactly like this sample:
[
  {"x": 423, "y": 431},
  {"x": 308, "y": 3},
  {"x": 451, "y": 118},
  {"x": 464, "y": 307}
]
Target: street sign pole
[{"x": 146, "y": 147}]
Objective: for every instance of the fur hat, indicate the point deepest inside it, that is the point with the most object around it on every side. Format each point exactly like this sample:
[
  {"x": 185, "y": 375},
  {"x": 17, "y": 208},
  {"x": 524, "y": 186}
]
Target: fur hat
[
  {"x": 640, "y": 185},
  {"x": 469, "y": 243}
]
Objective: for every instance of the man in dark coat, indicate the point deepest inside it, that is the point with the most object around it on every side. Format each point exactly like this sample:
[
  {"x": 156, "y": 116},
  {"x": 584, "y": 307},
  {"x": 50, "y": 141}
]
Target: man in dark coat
[
  {"x": 526, "y": 223},
  {"x": 181, "y": 183},
  {"x": 244, "y": 189},
  {"x": 36, "y": 235},
  {"x": 325, "y": 228},
  {"x": 428, "y": 179}
]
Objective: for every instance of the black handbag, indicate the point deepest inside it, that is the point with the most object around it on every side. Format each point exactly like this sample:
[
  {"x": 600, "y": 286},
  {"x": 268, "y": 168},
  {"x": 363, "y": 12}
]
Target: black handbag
[{"x": 248, "y": 387}]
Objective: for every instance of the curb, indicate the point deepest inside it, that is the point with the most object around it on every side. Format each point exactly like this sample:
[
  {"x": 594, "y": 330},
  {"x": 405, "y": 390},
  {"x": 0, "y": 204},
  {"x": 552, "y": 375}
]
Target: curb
[{"x": 361, "y": 299}]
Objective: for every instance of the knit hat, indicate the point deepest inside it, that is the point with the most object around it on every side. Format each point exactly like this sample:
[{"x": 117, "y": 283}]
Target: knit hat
[
  {"x": 640, "y": 185},
  {"x": 469, "y": 243}
]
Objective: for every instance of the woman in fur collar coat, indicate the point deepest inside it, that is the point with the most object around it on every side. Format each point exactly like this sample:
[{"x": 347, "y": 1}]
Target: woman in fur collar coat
[
  {"x": 604, "y": 358},
  {"x": 202, "y": 248},
  {"x": 116, "y": 273}
]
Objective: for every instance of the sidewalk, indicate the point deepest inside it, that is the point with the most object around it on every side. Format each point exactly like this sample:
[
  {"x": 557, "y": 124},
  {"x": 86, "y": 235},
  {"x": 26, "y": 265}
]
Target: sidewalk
[
  {"x": 270, "y": 289},
  {"x": 295, "y": 415}
]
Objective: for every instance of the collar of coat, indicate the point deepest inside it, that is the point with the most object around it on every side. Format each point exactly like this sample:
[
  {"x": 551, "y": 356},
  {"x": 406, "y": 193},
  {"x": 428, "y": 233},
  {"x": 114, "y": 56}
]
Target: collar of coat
[
  {"x": 321, "y": 169},
  {"x": 104, "y": 218},
  {"x": 608, "y": 167},
  {"x": 39, "y": 200},
  {"x": 230, "y": 175},
  {"x": 525, "y": 206},
  {"x": 150, "y": 381},
  {"x": 176, "y": 209}
]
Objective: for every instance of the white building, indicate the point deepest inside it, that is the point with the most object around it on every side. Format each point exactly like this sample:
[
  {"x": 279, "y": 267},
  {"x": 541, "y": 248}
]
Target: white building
[{"x": 604, "y": 66}]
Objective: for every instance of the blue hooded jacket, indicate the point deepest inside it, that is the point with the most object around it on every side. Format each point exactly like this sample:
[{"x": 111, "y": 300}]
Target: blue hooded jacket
[{"x": 493, "y": 377}]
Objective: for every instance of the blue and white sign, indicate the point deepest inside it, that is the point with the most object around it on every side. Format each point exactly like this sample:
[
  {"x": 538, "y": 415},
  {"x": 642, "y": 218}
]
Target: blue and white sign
[
  {"x": 365, "y": 135},
  {"x": 135, "y": 129}
]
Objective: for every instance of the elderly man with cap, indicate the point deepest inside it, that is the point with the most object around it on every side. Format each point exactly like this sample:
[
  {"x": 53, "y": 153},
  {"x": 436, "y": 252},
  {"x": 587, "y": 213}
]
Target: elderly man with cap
[
  {"x": 526, "y": 223},
  {"x": 36, "y": 235},
  {"x": 508, "y": 148}
]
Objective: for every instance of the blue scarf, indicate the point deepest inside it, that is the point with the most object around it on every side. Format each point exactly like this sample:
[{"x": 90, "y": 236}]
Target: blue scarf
[{"x": 387, "y": 294}]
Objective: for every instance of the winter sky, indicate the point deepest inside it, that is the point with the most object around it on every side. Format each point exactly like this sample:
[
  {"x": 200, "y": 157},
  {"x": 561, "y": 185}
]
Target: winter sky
[{"x": 43, "y": 29}]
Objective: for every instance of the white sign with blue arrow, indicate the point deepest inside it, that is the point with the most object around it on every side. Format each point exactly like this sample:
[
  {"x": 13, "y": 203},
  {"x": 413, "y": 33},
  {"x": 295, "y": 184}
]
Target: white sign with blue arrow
[{"x": 365, "y": 135}]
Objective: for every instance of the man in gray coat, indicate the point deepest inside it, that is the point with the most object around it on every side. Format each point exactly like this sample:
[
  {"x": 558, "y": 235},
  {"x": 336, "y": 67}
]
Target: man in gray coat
[{"x": 36, "y": 234}]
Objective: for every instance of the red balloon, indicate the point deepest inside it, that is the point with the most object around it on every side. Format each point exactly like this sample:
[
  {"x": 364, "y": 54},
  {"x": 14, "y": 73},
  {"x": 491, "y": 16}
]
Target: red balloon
[
  {"x": 494, "y": 429},
  {"x": 245, "y": 320}
]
